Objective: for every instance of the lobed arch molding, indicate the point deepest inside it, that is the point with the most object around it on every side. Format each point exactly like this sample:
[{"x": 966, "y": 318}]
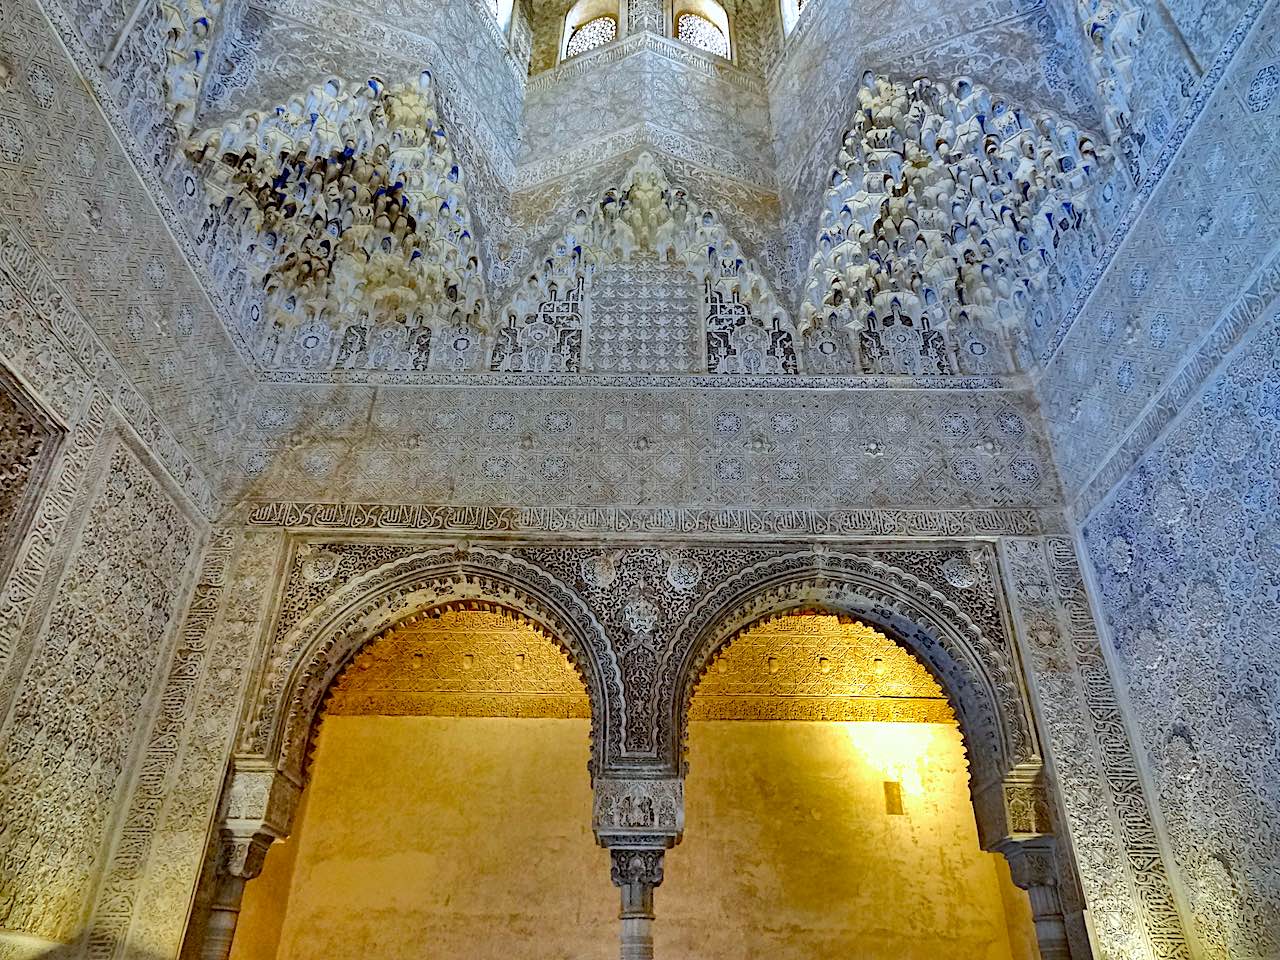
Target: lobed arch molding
[
  {"x": 980, "y": 679},
  {"x": 409, "y": 588},
  {"x": 639, "y": 800}
]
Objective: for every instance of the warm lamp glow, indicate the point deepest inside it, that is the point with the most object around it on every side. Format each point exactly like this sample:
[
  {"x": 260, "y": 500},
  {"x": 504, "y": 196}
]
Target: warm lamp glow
[{"x": 898, "y": 751}]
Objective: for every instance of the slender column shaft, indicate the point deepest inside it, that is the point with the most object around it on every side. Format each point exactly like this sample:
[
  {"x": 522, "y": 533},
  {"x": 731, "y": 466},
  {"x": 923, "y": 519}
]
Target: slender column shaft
[
  {"x": 637, "y": 921},
  {"x": 223, "y": 916},
  {"x": 1051, "y": 927}
]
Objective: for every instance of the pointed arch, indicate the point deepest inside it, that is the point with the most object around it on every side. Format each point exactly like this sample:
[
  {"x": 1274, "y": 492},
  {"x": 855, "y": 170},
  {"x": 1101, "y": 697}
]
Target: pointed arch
[
  {"x": 401, "y": 590},
  {"x": 589, "y": 24},
  {"x": 703, "y": 24},
  {"x": 979, "y": 673}
]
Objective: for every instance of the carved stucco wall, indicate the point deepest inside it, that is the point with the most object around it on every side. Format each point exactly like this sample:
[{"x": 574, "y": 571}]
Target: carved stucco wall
[
  {"x": 1178, "y": 44},
  {"x": 679, "y": 447},
  {"x": 287, "y": 46},
  {"x": 98, "y": 287},
  {"x": 28, "y": 442},
  {"x": 70, "y": 738},
  {"x": 1182, "y": 288},
  {"x": 1160, "y": 402},
  {"x": 595, "y": 107},
  {"x": 1136, "y": 909},
  {"x": 167, "y": 811},
  {"x": 105, "y": 320},
  {"x": 124, "y": 59},
  {"x": 1187, "y": 552}
]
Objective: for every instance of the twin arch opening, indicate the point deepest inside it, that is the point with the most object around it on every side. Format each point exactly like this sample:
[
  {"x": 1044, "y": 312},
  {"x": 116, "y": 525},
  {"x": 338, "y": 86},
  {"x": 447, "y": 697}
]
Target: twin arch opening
[{"x": 350, "y": 633}]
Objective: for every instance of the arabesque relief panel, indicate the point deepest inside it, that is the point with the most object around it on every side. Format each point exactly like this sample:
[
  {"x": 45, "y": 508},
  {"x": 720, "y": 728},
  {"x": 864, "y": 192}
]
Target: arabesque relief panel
[
  {"x": 70, "y": 737},
  {"x": 1188, "y": 547}
]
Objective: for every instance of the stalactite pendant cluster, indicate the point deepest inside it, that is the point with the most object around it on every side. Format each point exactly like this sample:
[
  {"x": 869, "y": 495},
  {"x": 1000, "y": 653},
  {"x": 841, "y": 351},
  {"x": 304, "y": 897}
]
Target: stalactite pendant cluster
[
  {"x": 1114, "y": 29},
  {"x": 948, "y": 211},
  {"x": 645, "y": 219},
  {"x": 350, "y": 204}
]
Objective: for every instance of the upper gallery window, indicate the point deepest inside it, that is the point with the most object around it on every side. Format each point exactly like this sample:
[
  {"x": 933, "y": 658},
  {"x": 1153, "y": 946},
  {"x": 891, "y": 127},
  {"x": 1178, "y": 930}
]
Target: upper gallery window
[
  {"x": 791, "y": 10},
  {"x": 593, "y": 33},
  {"x": 702, "y": 24},
  {"x": 501, "y": 10},
  {"x": 698, "y": 31}
]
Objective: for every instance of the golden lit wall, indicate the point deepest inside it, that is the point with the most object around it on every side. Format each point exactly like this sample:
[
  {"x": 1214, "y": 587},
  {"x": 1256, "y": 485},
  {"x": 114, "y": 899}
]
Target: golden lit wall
[
  {"x": 468, "y": 836},
  {"x": 789, "y": 851},
  {"x": 445, "y": 838}
]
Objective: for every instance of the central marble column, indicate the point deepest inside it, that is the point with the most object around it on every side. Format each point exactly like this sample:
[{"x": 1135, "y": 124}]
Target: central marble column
[
  {"x": 1033, "y": 867},
  {"x": 638, "y": 818},
  {"x": 637, "y": 873}
]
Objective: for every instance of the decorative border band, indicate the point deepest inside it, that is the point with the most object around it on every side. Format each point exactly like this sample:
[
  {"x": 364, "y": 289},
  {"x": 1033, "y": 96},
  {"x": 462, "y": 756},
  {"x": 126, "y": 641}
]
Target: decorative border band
[{"x": 675, "y": 521}]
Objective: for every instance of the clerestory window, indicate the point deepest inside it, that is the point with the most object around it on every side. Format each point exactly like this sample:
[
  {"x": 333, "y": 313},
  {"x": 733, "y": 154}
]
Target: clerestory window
[
  {"x": 591, "y": 34},
  {"x": 703, "y": 24},
  {"x": 791, "y": 10},
  {"x": 502, "y": 10},
  {"x": 698, "y": 31}
]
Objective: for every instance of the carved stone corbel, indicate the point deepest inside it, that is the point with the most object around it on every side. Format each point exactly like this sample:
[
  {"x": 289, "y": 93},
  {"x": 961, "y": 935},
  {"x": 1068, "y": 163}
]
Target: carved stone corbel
[
  {"x": 638, "y": 811},
  {"x": 259, "y": 808},
  {"x": 1015, "y": 807}
]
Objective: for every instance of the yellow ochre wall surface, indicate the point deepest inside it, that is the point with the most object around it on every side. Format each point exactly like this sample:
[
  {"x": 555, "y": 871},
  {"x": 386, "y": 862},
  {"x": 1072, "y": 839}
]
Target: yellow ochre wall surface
[
  {"x": 789, "y": 853},
  {"x": 466, "y": 838},
  {"x": 438, "y": 837}
]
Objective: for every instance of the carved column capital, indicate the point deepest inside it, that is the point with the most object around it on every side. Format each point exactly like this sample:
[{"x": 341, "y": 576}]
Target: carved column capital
[
  {"x": 242, "y": 855},
  {"x": 636, "y": 871},
  {"x": 1033, "y": 865},
  {"x": 636, "y": 867}
]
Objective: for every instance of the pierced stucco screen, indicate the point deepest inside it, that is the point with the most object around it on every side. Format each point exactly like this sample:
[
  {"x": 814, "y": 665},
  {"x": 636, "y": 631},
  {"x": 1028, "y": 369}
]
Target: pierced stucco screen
[
  {"x": 592, "y": 34},
  {"x": 702, "y": 33},
  {"x": 462, "y": 664},
  {"x": 814, "y": 667}
]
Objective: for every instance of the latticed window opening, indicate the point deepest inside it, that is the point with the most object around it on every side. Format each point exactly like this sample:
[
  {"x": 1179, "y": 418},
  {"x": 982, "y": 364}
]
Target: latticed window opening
[
  {"x": 592, "y": 34},
  {"x": 698, "y": 31}
]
